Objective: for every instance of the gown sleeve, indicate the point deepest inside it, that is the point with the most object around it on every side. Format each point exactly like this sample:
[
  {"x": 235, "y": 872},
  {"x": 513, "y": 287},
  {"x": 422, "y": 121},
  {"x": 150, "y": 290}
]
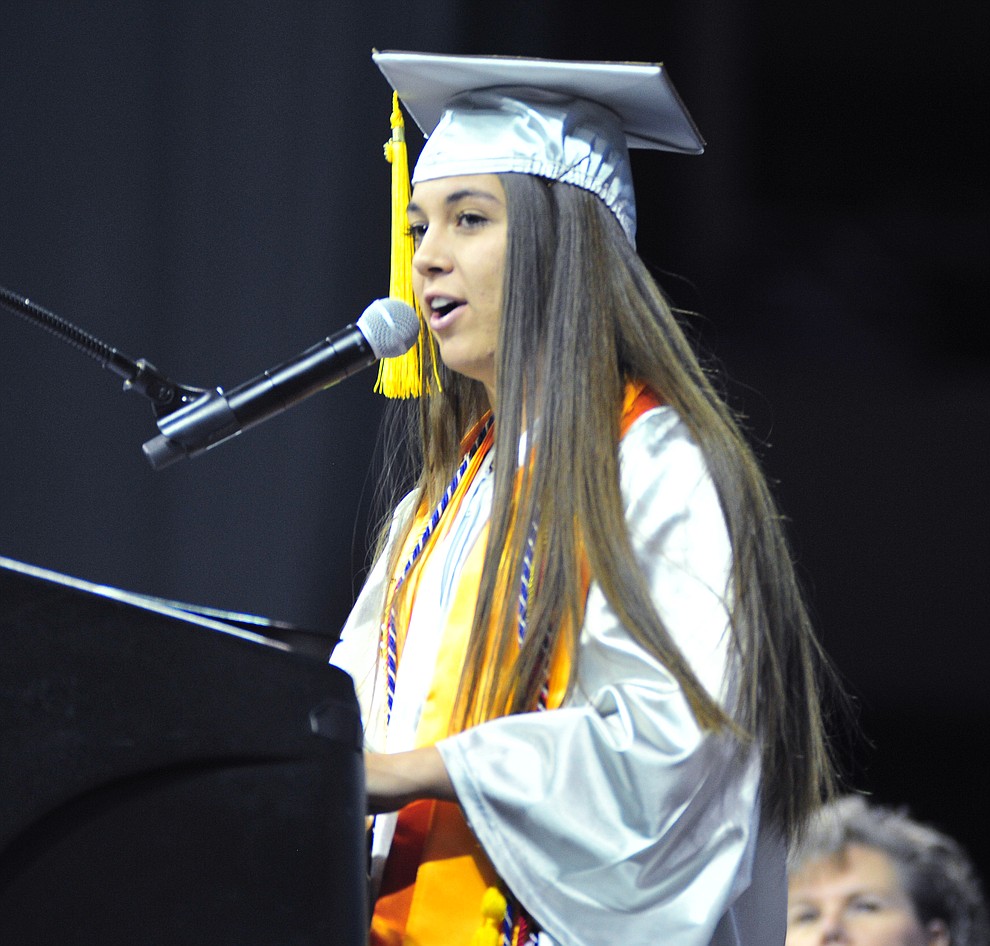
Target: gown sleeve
[
  {"x": 615, "y": 818},
  {"x": 357, "y": 650}
]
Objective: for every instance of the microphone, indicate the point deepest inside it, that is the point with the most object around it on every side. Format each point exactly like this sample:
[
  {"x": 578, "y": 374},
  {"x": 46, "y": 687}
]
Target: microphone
[{"x": 386, "y": 329}]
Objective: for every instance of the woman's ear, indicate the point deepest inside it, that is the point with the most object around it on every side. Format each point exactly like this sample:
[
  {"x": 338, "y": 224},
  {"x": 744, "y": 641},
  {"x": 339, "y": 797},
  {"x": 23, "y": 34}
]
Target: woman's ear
[{"x": 938, "y": 933}]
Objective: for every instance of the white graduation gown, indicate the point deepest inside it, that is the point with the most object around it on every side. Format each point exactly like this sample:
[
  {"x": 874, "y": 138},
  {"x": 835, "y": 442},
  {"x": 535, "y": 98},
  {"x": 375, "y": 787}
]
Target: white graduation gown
[{"x": 614, "y": 818}]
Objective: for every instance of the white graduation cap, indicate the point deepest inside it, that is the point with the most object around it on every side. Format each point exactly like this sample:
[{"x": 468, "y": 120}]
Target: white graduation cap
[{"x": 565, "y": 121}]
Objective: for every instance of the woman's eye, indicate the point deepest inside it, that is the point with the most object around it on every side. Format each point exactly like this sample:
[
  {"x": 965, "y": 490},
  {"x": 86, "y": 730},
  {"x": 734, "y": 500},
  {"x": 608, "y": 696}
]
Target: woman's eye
[
  {"x": 470, "y": 219},
  {"x": 806, "y": 915},
  {"x": 416, "y": 231}
]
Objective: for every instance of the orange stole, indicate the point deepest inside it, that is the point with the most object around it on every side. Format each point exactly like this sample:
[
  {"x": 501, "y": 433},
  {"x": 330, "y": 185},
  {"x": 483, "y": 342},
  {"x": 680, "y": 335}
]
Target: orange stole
[{"x": 437, "y": 873}]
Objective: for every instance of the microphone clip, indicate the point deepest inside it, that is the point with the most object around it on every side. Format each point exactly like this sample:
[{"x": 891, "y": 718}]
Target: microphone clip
[
  {"x": 166, "y": 396},
  {"x": 196, "y": 426}
]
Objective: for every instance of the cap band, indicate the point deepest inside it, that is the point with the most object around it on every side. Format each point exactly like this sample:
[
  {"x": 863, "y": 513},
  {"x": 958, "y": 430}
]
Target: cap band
[{"x": 531, "y": 131}]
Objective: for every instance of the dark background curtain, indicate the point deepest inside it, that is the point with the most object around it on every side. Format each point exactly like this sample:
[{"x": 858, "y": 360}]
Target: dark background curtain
[{"x": 202, "y": 185}]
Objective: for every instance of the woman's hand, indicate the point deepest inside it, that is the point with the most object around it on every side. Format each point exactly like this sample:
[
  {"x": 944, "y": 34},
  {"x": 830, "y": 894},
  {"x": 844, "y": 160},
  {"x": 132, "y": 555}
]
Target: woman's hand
[{"x": 393, "y": 780}]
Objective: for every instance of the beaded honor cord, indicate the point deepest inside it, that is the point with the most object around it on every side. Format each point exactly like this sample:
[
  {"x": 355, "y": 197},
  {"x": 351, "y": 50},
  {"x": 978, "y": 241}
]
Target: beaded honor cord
[
  {"x": 513, "y": 934},
  {"x": 391, "y": 642},
  {"x": 509, "y": 934}
]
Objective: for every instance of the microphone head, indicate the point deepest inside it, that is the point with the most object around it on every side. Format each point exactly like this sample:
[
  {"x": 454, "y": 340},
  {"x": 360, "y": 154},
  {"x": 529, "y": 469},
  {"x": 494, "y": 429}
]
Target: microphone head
[{"x": 390, "y": 326}]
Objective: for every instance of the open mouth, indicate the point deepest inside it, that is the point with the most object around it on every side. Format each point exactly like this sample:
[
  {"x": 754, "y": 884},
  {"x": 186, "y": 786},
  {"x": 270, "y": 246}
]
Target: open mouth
[{"x": 442, "y": 306}]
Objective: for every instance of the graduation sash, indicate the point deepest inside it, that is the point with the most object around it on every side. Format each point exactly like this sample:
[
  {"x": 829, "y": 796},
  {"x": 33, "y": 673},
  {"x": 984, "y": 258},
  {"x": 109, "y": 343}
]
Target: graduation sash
[{"x": 437, "y": 876}]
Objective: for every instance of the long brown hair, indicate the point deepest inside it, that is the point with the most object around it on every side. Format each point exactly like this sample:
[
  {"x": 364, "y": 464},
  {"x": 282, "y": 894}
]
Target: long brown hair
[{"x": 581, "y": 316}]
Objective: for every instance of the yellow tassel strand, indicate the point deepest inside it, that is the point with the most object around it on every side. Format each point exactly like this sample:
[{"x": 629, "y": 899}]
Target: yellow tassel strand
[
  {"x": 400, "y": 377},
  {"x": 493, "y": 910}
]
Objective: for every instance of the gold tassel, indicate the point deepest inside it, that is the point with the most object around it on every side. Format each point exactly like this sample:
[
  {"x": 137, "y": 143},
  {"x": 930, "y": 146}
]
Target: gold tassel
[
  {"x": 493, "y": 910},
  {"x": 401, "y": 377}
]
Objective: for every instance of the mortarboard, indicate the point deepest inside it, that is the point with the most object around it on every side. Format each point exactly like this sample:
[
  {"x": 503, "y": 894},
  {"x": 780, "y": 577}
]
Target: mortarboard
[{"x": 566, "y": 121}]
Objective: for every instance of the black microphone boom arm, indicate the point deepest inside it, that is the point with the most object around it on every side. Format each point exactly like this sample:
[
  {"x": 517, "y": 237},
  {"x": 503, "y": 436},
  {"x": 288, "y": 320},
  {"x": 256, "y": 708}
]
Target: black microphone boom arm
[
  {"x": 140, "y": 376},
  {"x": 191, "y": 420}
]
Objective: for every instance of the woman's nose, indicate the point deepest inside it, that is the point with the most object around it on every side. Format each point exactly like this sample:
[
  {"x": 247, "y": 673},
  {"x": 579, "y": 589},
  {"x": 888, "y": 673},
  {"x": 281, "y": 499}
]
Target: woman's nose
[{"x": 431, "y": 256}]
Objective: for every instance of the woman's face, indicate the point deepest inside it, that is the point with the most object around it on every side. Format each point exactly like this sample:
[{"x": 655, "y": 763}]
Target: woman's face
[
  {"x": 855, "y": 897},
  {"x": 459, "y": 228}
]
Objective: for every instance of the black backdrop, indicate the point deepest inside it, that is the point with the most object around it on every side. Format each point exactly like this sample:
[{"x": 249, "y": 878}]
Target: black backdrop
[{"x": 201, "y": 184}]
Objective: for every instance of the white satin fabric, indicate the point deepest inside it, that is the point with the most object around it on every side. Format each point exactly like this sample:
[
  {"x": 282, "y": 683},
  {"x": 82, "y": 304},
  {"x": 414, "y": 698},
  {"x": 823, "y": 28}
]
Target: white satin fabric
[
  {"x": 533, "y": 131},
  {"x": 614, "y": 819}
]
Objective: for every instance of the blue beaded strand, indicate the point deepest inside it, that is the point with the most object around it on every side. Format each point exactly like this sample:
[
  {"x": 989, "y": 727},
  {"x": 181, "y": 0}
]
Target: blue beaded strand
[
  {"x": 508, "y": 921},
  {"x": 391, "y": 659}
]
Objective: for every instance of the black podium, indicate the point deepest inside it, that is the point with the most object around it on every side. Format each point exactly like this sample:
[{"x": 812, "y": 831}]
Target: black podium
[{"x": 170, "y": 779}]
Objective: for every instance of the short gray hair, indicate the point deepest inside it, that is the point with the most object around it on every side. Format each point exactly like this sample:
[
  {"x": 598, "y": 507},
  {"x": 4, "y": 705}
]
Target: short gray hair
[{"x": 934, "y": 869}]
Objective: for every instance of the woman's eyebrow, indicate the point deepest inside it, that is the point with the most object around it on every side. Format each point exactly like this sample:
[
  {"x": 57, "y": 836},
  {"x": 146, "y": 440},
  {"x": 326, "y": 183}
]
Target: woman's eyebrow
[{"x": 457, "y": 196}]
